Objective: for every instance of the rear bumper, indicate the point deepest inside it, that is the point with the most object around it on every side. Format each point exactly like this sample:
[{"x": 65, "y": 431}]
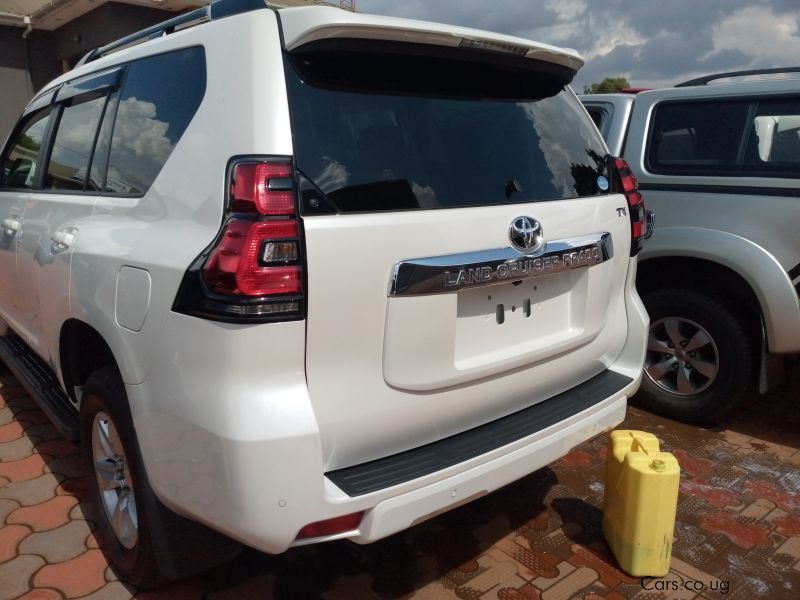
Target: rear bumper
[
  {"x": 493, "y": 471},
  {"x": 236, "y": 446},
  {"x": 263, "y": 491}
]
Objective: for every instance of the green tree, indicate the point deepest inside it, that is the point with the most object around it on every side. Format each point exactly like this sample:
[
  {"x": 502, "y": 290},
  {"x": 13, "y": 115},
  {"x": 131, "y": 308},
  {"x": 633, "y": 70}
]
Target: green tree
[{"x": 608, "y": 85}]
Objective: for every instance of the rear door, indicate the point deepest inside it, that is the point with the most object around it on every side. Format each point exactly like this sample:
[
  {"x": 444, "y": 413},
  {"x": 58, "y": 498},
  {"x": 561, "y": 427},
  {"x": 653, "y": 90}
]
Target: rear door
[
  {"x": 465, "y": 259},
  {"x": 64, "y": 201}
]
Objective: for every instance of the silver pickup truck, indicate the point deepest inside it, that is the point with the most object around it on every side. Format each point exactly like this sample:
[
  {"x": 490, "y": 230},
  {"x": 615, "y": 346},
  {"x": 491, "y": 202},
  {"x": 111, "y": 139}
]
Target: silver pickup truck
[{"x": 719, "y": 164}]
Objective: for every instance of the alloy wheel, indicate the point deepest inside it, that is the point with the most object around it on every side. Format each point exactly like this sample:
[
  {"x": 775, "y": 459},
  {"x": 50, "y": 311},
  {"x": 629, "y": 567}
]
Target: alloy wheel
[
  {"x": 114, "y": 480},
  {"x": 682, "y": 358}
]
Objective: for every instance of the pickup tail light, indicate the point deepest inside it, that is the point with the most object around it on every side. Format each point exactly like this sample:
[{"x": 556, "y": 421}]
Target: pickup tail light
[
  {"x": 625, "y": 183},
  {"x": 253, "y": 271}
]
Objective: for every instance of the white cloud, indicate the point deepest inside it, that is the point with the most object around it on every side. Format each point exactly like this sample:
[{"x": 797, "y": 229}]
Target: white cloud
[{"x": 771, "y": 39}]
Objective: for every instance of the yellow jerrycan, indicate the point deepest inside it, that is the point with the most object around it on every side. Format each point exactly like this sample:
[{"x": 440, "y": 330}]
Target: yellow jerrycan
[{"x": 641, "y": 499}]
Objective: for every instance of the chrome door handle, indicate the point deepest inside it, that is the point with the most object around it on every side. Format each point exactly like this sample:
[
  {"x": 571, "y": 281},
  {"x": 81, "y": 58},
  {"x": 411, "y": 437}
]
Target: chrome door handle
[
  {"x": 12, "y": 225},
  {"x": 63, "y": 239}
]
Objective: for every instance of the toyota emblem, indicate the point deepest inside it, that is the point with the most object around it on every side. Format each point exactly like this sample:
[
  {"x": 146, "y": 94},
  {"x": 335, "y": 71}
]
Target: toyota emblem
[{"x": 526, "y": 235}]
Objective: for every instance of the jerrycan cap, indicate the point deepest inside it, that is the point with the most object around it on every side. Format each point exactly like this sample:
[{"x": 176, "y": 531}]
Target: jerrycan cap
[{"x": 658, "y": 465}]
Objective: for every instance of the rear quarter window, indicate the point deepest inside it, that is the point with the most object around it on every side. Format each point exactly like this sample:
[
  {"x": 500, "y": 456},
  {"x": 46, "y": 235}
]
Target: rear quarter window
[
  {"x": 383, "y": 130},
  {"x": 158, "y": 99},
  {"x": 752, "y": 137}
]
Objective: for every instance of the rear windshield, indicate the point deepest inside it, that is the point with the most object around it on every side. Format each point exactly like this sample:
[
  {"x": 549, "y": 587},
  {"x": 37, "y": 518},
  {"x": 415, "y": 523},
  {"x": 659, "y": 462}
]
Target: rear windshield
[{"x": 378, "y": 131}]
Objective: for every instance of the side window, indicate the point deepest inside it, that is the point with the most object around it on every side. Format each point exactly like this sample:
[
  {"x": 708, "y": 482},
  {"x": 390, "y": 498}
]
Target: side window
[
  {"x": 158, "y": 100},
  {"x": 22, "y": 159},
  {"x": 70, "y": 157},
  {"x": 597, "y": 115},
  {"x": 774, "y": 144},
  {"x": 97, "y": 172},
  {"x": 694, "y": 137}
]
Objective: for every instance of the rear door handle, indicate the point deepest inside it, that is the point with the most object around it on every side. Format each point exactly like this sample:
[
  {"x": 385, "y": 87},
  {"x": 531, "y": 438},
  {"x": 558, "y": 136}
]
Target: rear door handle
[
  {"x": 12, "y": 225},
  {"x": 63, "y": 239}
]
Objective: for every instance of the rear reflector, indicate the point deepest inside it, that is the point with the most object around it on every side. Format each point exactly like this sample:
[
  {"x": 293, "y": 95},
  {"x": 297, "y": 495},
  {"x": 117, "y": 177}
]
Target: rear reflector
[{"x": 331, "y": 526}]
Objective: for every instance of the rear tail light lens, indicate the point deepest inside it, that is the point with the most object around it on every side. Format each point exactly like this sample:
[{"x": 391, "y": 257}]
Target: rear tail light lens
[
  {"x": 266, "y": 188},
  {"x": 254, "y": 269},
  {"x": 627, "y": 184},
  {"x": 331, "y": 526}
]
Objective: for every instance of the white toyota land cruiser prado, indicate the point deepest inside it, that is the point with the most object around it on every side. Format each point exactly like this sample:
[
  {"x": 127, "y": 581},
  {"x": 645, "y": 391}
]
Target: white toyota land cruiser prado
[{"x": 302, "y": 275}]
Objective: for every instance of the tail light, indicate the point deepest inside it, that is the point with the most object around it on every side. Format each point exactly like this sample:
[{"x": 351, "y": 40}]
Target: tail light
[
  {"x": 253, "y": 271},
  {"x": 625, "y": 182}
]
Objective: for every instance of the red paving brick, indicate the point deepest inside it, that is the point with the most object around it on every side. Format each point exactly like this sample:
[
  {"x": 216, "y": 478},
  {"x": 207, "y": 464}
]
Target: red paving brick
[
  {"x": 24, "y": 469},
  {"x": 47, "y": 515},
  {"x": 11, "y": 431},
  {"x": 10, "y": 537},
  {"x": 738, "y": 522},
  {"x": 76, "y": 577},
  {"x": 59, "y": 448}
]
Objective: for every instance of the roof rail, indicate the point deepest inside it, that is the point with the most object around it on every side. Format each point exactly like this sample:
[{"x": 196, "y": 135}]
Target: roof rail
[
  {"x": 707, "y": 78},
  {"x": 218, "y": 9}
]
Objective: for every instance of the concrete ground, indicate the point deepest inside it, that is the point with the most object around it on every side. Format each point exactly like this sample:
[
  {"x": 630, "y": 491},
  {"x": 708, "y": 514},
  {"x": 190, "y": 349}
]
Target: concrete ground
[{"x": 737, "y": 533}]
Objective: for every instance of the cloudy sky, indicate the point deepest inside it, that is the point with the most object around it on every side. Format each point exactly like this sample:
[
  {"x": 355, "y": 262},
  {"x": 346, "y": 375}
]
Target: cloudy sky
[{"x": 651, "y": 42}]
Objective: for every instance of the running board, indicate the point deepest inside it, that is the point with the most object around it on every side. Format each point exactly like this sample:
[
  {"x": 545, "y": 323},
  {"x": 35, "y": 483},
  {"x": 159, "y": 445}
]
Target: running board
[{"x": 41, "y": 383}]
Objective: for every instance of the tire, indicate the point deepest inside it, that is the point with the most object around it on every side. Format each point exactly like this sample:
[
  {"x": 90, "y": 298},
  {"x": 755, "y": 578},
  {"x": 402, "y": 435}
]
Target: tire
[
  {"x": 162, "y": 546},
  {"x": 700, "y": 358}
]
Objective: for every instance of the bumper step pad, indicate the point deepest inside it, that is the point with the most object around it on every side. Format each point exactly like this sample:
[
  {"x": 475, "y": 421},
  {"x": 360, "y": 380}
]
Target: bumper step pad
[{"x": 405, "y": 466}]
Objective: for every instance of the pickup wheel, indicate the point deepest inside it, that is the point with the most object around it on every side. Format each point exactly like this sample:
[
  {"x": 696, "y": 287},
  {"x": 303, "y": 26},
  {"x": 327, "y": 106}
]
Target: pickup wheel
[
  {"x": 699, "y": 360},
  {"x": 117, "y": 480}
]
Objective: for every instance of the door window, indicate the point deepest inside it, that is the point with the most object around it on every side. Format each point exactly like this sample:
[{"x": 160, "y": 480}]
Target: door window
[
  {"x": 22, "y": 159},
  {"x": 74, "y": 140}
]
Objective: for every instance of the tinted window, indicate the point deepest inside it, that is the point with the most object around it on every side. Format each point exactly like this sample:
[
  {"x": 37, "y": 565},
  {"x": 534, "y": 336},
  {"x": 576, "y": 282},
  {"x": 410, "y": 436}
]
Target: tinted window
[
  {"x": 433, "y": 132},
  {"x": 159, "y": 98},
  {"x": 774, "y": 143},
  {"x": 19, "y": 166},
  {"x": 697, "y": 137},
  {"x": 597, "y": 115},
  {"x": 97, "y": 172},
  {"x": 72, "y": 147}
]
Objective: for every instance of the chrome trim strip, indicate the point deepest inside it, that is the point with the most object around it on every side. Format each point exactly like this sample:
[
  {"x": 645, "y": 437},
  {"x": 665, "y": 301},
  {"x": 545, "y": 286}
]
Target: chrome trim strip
[{"x": 454, "y": 272}]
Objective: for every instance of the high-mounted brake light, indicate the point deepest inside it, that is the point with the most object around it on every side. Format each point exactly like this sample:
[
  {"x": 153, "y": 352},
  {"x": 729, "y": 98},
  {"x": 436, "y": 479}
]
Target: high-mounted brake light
[
  {"x": 625, "y": 182},
  {"x": 254, "y": 269}
]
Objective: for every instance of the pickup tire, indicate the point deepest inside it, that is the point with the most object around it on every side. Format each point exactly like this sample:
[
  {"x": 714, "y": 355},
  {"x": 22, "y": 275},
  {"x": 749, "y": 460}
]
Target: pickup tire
[
  {"x": 700, "y": 357},
  {"x": 147, "y": 544}
]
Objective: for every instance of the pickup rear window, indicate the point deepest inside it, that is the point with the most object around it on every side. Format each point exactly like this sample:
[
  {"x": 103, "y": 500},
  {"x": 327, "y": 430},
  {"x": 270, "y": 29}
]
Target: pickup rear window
[{"x": 377, "y": 129}]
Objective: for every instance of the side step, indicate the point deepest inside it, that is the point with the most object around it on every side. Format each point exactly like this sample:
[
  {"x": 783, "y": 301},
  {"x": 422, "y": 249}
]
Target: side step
[{"x": 41, "y": 383}]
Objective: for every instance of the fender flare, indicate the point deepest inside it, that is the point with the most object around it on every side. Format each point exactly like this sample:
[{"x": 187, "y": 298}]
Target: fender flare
[{"x": 763, "y": 273}]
